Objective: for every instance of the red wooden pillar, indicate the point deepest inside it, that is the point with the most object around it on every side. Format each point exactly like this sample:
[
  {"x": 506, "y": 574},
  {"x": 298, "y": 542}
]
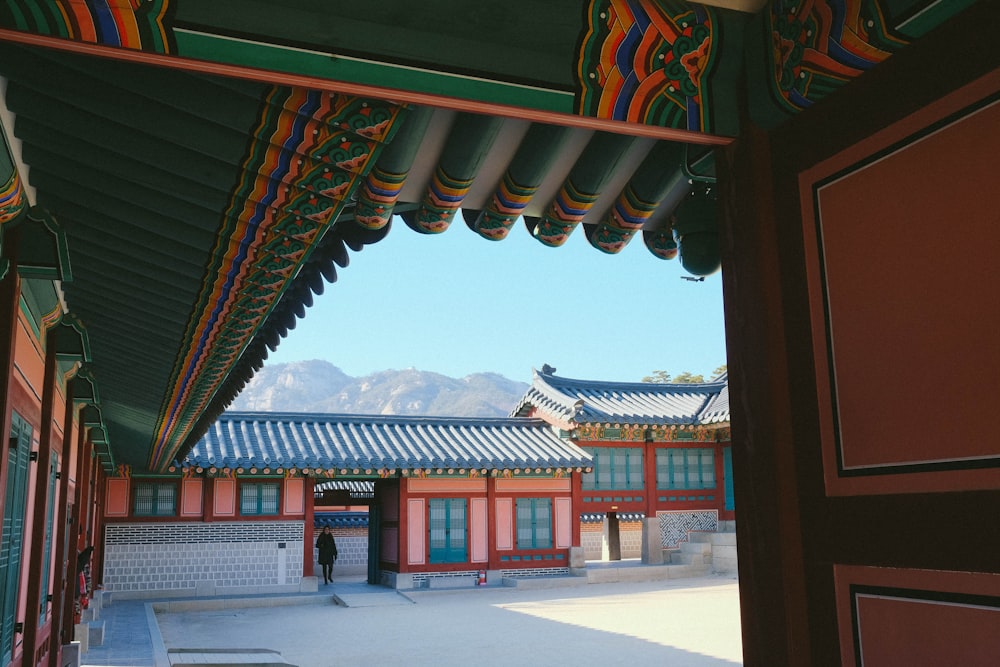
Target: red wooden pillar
[
  {"x": 208, "y": 489},
  {"x": 404, "y": 526},
  {"x": 33, "y": 618},
  {"x": 62, "y": 533},
  {"x": 85, "y": 494},
  {"x": 77, "y": 524},
  {"x": 576, "y": 485},
  {"x": 10, "y": 296},
  {"x": 97, "y": 533},
  {"x": 493, "y": 559},
  {"x": 649, "y": 471},
  {"x": 308, "y": 529}
]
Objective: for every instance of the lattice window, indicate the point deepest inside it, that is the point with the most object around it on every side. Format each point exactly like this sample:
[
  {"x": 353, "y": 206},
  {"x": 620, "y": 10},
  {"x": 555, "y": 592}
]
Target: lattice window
[
  {"x": 155, "y": 499},
  {"x": 685, "y": 468},
  {"x": 534, "y": 523},
  {"x": 259, "y": 498},
  {"x": 614, "y": 468}
]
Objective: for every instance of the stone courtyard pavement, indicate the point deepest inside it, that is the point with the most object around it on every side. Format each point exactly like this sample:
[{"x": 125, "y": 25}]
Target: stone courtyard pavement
[{"x": 676, "y": 622}]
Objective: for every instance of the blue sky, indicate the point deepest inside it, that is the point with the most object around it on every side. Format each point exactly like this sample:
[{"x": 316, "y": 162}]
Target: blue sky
[{"x": 456, "y": 304}]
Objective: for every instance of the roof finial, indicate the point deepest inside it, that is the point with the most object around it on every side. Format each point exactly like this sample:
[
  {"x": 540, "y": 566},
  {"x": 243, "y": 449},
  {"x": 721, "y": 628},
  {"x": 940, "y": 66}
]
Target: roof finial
[{"x": 548, "y": 370}]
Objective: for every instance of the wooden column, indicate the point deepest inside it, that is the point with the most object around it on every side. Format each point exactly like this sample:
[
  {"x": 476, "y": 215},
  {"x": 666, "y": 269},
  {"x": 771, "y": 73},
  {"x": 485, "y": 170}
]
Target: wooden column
[
  {"x": 576, "y": 481},
  {"x": 77, "y": 521},
  {"x": 36, "y": 576},
  {"x": 307, "y": 529},
  {"x": 493, "y": 559},
  {"x": 649, "y": 479},
  {"x": 97, "y": 534},
  {"x": 61, "y": 551},
  {"x": 10, "y": 296}
]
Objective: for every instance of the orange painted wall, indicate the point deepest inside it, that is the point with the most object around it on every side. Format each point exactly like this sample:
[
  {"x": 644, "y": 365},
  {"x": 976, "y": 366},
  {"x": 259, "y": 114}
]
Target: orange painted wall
[
  {"x": 116, "y": 497},
  {"x": 224, "y": 497},
  {"x": 29, "y": 362},
  {"x": 295, "y": 496},
  {"x": 191, "y": 497}
]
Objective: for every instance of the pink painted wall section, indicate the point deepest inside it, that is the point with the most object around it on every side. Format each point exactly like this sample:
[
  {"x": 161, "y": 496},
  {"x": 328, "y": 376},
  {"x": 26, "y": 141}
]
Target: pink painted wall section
[
  {"x": 191, "y": 497},
  {"x": 533, "y": 485},
  {"x": 415, "y": 531},
  {"x": 564, "y": 523},
  {"x": 295, "y": 496},
  {"x": 505, "y": 524},
  {"x": 225, "y": 497},
  {"x": 446, "y": 485},
  {"x": 479, "y": 531},
  {"x": 117, "y": 497}
]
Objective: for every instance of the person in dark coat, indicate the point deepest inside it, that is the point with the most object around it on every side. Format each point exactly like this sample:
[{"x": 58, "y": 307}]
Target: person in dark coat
[{"x": 327, "y": 553}]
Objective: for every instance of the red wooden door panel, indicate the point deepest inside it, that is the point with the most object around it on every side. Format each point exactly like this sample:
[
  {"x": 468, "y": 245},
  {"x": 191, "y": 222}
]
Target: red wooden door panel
[{"x": 861, "y": 244}]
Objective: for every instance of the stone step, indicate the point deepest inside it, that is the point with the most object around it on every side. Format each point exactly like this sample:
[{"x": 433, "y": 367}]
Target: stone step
[
  {"x": 95, "y": 633},
  {"x": 226, "y": 657},
  {"x": 696, "y": 547},
  {"x": 723, "y": 539}
]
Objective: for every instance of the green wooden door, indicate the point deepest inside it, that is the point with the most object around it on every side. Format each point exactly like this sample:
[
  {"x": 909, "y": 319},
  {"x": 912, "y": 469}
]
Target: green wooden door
[
  {"x": 18, "y": 455},
  {"x": 447, "y": 528}
]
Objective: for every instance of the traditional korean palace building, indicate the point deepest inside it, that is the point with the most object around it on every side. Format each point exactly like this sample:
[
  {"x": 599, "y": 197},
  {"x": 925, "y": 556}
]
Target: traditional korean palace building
[
  {"x": 659, "y": 451},
  {"x": 451, "y": 496},
  {"x": 445, "y": 496}
]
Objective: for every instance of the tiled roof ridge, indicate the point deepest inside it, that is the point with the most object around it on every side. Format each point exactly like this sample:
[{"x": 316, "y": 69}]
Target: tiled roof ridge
[
  {"x": 686, "y": 387},
  {"x": 313, "y": 417}
]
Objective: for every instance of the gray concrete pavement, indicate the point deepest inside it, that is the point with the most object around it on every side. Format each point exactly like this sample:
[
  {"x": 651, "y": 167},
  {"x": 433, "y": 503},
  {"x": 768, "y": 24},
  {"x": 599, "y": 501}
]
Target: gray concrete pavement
[{"x": 683, "y": 622}]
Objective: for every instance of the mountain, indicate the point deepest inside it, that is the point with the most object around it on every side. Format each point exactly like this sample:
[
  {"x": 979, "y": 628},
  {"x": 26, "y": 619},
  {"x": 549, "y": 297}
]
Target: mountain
[{"x": 319, "y": 386}]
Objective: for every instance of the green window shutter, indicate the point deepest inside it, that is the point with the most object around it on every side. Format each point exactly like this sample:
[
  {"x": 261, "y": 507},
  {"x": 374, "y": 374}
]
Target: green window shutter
[
  {"x": 589, "y": 479},
  {"x": 727, "y": 475},
  {"x": 543, "y": 522},
  {"x": 707, "y": 469},
  {"x": 690, "y": 468},
  {"x": 635, "y": 476},
  {"x": 155, "y": 499},
  {"x": 447, "y": 528},
  {"x": 534, "y": 523},
  {"x": 15, "y": 496},
  {"x": 260, "y": 498},
  {"x": 47, "y": 553}
]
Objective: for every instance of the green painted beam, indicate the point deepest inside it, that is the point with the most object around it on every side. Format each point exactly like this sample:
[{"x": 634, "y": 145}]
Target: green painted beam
[{"x": 296, "y": 61}]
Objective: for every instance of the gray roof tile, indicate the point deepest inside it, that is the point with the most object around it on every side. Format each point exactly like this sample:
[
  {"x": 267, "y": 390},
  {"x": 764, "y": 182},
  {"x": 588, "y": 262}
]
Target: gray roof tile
[
  {"x": 593, "y": 402},
  {"x": 300, "y": 440}
]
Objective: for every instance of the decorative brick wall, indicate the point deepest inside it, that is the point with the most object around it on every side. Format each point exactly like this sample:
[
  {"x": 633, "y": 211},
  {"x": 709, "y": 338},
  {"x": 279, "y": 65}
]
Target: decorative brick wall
[
  {"x": 675, "y": 526},
  {"x": 592, "y": 537},
  {"x": 203, "y": 558},
  {"x": 630, "y": 536}
]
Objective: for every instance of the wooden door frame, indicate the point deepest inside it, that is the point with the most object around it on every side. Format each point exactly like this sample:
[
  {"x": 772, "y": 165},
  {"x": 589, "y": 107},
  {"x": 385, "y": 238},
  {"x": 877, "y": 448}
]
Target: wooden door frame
[{"x": 789, "y": 533}]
